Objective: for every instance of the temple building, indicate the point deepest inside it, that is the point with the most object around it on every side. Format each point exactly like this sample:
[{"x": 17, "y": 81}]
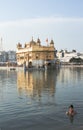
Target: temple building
[{"x": 33, "y": 54}]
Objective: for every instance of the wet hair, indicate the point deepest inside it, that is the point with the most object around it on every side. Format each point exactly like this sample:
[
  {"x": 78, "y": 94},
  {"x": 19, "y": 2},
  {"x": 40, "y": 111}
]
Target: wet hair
[{"x": 71, "y": 106}]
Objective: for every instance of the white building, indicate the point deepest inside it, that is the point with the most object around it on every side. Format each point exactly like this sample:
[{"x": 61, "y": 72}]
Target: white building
[
  {"x": 11, "y": 56},
  {"x": 65, "y": 56},
  {"x": 3, "y": 56}
]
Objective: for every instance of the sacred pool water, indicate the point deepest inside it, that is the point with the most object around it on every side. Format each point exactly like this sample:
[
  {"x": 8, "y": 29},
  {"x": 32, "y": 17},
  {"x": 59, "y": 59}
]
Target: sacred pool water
[{"x": 38, "y": 100}]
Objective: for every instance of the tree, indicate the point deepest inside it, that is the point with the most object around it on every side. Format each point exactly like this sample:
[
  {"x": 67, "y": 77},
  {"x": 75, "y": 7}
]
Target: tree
[
  {"x": 73, "y": 50},
  {"x": 76, "y": 60}
]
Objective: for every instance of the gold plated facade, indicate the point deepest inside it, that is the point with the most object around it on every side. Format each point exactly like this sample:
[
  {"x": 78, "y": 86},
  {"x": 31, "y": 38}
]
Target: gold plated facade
[{"x": 34, "y": 54}]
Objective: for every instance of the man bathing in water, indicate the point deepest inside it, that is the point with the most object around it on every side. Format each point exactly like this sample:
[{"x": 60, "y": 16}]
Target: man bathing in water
[{"x": 71, "y": 111}]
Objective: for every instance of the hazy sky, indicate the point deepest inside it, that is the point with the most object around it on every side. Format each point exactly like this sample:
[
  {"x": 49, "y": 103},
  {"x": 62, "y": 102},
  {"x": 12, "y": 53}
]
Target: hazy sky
[{"x": 60, "y": 20}]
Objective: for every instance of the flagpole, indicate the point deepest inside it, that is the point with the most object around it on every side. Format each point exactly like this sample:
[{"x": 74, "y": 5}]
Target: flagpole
[{"x": 47, "y": 42}]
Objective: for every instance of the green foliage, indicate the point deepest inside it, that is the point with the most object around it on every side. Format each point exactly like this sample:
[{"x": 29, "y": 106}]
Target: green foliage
[{"x": 76, "y": 60}]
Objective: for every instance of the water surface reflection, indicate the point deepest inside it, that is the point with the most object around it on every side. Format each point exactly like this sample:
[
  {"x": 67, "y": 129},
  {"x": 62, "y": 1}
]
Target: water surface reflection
[
  {"x": 39, "y": 99},
  {"x": 37, "y": 83}
]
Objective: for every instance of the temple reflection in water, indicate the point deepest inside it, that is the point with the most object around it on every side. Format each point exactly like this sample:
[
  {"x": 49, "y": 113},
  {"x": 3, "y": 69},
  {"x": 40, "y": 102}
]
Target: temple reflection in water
[{"x": 35, "y": 83}]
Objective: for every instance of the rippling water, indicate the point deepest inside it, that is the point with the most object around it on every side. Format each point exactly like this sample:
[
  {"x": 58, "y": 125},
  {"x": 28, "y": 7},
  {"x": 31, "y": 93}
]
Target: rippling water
[{"x": 38, "y": 100}]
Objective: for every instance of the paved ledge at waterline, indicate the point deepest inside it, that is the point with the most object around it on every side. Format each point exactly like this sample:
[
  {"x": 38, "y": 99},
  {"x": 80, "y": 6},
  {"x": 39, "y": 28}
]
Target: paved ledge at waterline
[
  {"x": 73, "y": 65},
  {"x": 11, "y": 68}
]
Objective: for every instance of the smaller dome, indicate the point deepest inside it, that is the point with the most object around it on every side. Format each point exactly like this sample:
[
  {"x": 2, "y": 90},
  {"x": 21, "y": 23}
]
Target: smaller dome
[
  {"x": 38, "y": 40},
  {"x": 19, "y": 45},
  {"x": 32, "y": 42},
  {"x": 52, "y": 42}
]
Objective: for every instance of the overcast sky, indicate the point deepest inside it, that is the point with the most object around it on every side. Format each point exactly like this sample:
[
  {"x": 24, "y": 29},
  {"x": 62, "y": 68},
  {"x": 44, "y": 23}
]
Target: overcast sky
[{"x": 60, "y": 20}]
